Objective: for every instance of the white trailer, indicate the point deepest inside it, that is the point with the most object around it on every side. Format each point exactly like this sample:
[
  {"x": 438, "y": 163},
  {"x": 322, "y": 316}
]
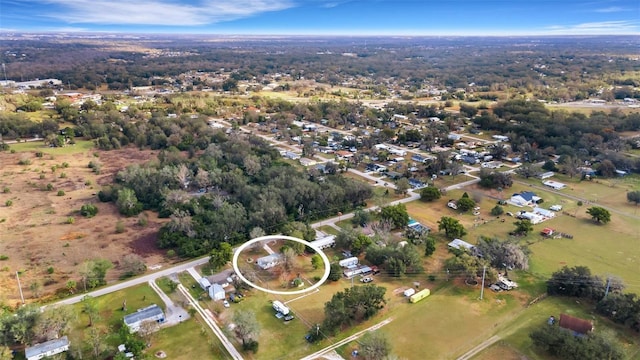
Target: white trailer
[{"x": 280, "y": 307}]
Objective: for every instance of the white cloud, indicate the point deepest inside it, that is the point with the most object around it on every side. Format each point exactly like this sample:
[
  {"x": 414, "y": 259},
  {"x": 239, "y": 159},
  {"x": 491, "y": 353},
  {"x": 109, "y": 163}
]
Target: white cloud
[
  {"x": 610, "y": 9},
  {"x": 596, "y": 28},
  {"x": 161, "y": 12}
]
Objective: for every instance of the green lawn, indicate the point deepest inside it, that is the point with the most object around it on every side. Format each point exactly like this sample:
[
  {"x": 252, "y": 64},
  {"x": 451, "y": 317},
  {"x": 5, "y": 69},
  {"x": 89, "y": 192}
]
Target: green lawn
[
  {"x": 192, "y": 339},
  {"x": 611, "y": 249},
  {"x": 111, "y": 312},
  {"x": 515, "y": 334},
  {"x": 80, "y": 147},
  {"x": 278, "y": 339}
]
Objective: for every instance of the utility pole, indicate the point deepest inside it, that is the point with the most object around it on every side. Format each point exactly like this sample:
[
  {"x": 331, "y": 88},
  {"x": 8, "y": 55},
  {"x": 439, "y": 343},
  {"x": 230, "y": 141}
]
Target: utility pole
[
  {"x": 20, "y": 287},
  {"x": 606, "y": 292},
  {"x": 484, "y": 271}
]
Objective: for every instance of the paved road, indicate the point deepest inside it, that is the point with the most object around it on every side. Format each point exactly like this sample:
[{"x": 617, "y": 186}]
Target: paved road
[
  {"x": 318, "y": 354},
  {"x": 212, "y": 324},
  {"x": 139, "y": 280}
]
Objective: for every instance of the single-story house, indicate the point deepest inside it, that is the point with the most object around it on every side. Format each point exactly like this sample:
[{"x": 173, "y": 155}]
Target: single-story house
[
  {"x": 460, "y": 245},
  {"x": 307, "y": 162},
  {"x": 149, "y": 313},
  {"x": 554, "y": 184},
  {"x": 454, "y": 136},
  {"x": 46, "y": 349},
  {"x": 351, "y": 272},
  {"x": 216, "y": 292},
  {"x": 291, "y": 155},
  {"x": 269, "y": 261},
  {"x": 343, "y": 154},
  {"x": 544, "y": 212},
  {"x": 204, "y": 283},
  {"x": 546, "y": 175},
  {"x": 578, "y": 327},
  {"x": 348, "y": 262},
  {"x": 525, "y": 198},
  {"x": 394, "y": 175},
  {"x": 533, "y": 217},
  {"x": 325, "y": 242}
]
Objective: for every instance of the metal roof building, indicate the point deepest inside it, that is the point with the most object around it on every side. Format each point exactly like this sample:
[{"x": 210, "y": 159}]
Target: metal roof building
[
  {"x": 45, "y": 349},
  {"x": 149, "y": 313}
]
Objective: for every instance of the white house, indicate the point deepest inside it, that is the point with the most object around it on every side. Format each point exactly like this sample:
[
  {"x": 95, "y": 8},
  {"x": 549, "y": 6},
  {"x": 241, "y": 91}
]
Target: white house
[
  {"x": 269, "y": 261},
  {"x": 216, "y": 292},
  {"x": 399, "y": 152},
  {"x": 531, "y": 216},
  {"x": 46, "y": 349},
  {"x": 554, "y": 184},
  {"x": 149, "y": 313},
  {"x": 381, "y": 147},
  {"x": 525, "y": 198},
  {"x": 544, "y": 212},
  {"x": 460, "y": 244},
  {"x": 348, "y": 262},
  {"x": 325, "y": 242},
  {"x": 546, "y": 175}
]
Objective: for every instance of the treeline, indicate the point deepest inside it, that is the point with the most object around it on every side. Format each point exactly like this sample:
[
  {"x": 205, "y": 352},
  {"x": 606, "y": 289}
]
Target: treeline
[
  {"x": 538, "y": 132},
  {"x": 489, "y": 64},
  {"x": 236, "y": 184},
  {"x": 608, "y": 296}
]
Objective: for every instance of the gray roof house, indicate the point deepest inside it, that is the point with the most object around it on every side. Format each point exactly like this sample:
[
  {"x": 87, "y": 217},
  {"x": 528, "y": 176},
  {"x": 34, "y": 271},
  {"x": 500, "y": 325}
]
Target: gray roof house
[
  {"x": 216, "y": 292},
  {"x": 152, "y": 312},
  {"x": 269, "y": 261},
  {"x": 45, "y": 349}
]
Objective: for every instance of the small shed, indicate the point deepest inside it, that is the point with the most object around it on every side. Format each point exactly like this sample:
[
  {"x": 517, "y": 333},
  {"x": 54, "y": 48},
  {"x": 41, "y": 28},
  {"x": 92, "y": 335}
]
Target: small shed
[
  {"x": 216, "y": 292},
  {"x": 547, "y": 232},
  {"x": 204, "y": 283},
  {"x": 409, "y": 292}
]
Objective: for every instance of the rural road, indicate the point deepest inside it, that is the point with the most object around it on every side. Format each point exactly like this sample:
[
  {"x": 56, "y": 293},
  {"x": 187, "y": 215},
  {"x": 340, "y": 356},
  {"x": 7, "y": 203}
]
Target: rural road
[
  {"x": 347, "y": 340},
  {"x": 139, "y": 280},
  {"x": 235, "y": 354},
  {"x": 485, "y": 344}
]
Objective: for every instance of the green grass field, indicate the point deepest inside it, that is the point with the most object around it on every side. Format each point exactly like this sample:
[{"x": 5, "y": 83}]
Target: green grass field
[
  {"x": 80, "y": 147},
  {"x": 278, "y": 339},
  {"x": 189, "y": 340},
  {"x": 516, "y": 334}
]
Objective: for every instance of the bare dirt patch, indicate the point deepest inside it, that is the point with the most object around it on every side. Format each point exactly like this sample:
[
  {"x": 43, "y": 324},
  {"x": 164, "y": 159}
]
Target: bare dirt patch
[{"x": 42, "y": 233}]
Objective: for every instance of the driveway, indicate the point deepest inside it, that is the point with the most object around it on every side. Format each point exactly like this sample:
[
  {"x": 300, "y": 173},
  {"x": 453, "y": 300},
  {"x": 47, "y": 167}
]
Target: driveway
[{"x": 174, "y": 314}]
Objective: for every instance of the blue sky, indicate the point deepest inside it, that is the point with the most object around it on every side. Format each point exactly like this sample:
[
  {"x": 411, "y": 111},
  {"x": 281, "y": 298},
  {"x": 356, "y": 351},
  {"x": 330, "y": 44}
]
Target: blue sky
[{"x": 325, "y": 17}]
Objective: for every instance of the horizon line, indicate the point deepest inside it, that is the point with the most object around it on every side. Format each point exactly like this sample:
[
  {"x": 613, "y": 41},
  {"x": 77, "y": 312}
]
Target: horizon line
[{"x": 115, "y": 32}]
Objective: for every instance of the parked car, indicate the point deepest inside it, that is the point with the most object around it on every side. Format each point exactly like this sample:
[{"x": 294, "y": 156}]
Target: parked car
[
  {"x": 495, "y": 288},
  {"x": 225, "y": 303},
  {"x": 366, "y": 279},
  {"x": 289, "y": 317}
]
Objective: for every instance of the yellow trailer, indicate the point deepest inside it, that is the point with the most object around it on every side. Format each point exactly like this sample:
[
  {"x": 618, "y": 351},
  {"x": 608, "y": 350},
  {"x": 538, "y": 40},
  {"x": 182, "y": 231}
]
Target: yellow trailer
[{"x": 419, "y": 295}]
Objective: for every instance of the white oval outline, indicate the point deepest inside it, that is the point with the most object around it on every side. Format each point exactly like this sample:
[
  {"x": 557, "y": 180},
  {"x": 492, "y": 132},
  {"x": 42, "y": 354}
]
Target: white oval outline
[{"x": 324, "y": 257}]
